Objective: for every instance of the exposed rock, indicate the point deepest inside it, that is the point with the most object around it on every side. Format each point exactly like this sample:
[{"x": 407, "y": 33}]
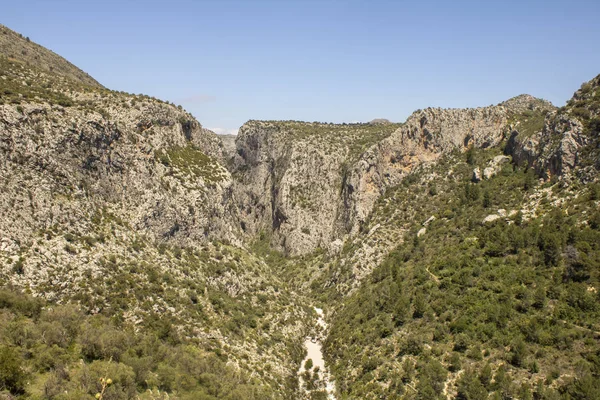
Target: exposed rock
[
  {"x": 491, "y": 218},
  {"x": 292, "y": 179},
  {"x": 476, "y": 175},
  {"x": 526, "y": 102},
  {"x": 380, "y": 121},
  {"x": 429, "y": 220},
  {"x": 309, "y": 187},
  {"x": 64, "y": 165},
  {"x": 426, "y": 135},
  {"x": 494, "y": 166},
  {"x": 555, "y": 149},
  {"x": 228, "y": 144}
]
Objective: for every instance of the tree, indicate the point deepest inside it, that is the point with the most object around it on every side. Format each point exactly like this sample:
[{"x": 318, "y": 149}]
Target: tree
[
  {"x": 12, "y": 376},
  {"x": 455, "y": 362},
  {"x": 518, "y": 353},
  {"x": 471, "y": 155},
  {"x": 529, "y": 180},
  {"x": 308, "y": 364},
  {"x": 487, "y": 199},
  {"x": 470, "y": 388},
  {"x": 420, "y": 305},
  {"x": 485, "y": 376}
]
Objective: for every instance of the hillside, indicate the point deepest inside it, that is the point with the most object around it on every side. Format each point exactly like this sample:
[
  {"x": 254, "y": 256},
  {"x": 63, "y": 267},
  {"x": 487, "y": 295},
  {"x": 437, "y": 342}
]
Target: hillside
[
  {"x": 454, "y": 255},
  {"x": 116, "y": 219},
  {"x": 19, "y": 48}
]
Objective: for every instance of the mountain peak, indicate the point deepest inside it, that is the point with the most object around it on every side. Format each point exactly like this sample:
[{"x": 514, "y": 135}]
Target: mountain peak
[{"x": 525, "y": 102}]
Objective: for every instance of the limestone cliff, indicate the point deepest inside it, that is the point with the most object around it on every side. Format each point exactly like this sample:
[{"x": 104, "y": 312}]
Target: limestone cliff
[
  {"x": 313, "y": 184},
  {"x": 290, "y": 177},
  {"x": 555, "y": 143},
  {"x": 103, "y": 153}
]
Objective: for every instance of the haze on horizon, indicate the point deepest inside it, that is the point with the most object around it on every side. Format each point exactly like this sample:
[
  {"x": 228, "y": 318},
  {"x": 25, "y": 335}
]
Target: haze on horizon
[{"x": 339, "y": 61}]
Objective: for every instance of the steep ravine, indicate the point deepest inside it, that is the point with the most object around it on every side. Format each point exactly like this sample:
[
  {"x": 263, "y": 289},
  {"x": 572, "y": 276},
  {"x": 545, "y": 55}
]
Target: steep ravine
[{"x": 123, "y": 208}]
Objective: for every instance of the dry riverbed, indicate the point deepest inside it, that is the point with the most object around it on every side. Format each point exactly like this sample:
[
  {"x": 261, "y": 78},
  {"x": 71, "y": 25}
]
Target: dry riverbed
[{"x": 313, "y": 374}]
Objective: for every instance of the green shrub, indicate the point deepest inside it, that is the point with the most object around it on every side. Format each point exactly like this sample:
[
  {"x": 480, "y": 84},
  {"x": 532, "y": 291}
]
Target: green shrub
[{"x": 12, "y": 375}]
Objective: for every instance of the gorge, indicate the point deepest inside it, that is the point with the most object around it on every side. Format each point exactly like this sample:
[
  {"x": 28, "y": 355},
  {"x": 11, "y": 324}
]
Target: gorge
[{"x": 456, "y": 254}]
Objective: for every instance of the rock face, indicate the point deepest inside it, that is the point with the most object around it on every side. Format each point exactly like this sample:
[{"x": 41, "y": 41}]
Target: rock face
[
  {"x": 426, "y": 135},
  {"x": 305, "y": 185},
  {"x": 122, "y": 204},
  {"x": 554, "y": 148},
  {"x": 289, "y": 183},
  {"x": 151, "y": 165},
  {"x": 494, "y": 166},
  {"x": 228, "y": 144},
  {"x": 310, "y": 194}
]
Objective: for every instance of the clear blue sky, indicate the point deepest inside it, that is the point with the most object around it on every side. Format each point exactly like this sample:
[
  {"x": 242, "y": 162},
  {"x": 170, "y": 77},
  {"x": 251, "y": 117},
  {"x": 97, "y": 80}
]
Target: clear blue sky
[{"x": 229, "y": 61}]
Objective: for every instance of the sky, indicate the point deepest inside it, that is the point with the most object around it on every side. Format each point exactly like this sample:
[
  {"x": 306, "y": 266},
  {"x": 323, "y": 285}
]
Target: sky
[{"x": 230, "y": 61}]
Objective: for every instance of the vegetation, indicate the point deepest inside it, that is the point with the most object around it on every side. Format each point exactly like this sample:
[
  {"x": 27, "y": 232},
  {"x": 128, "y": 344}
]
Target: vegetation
[
  {"x": 67, "y": 354},
  {"x": 529, "y": 122},
  {"x": 191, "y": 162},
  {"x": 450, "y": 289},
  {"x": 331, "y": 137},
  {"x": 13, "y": 91},
  {"x": 485, "y": 305}
]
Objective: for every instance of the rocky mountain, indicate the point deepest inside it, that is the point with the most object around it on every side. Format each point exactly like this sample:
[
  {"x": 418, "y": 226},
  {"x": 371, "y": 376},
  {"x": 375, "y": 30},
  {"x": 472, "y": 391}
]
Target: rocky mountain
[
  {"x": 122, "y": 204},
  {"x": 327, "y": 177},
  {"x": 19, "y": 48},
  {"x": 455, "y": 255}
]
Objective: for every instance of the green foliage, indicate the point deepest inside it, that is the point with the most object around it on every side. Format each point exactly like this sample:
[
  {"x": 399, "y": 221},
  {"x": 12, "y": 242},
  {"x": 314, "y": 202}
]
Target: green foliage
[
  {"x": 332, "y": 137},
  {"x": 529, "y": 122},
  {"x": 13, "y": 89},
  {"x": 308, "y": 364},
  {"x": 134, "y": 360},
  {"x": 12, "y": 375},
  {"x": 470, "y": 387},
  {"x": 471, "y": 156},
  {"x": 522, "y": 290}
]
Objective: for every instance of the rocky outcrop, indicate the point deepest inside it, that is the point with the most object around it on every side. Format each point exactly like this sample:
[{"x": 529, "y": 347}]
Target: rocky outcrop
[
  {"x": 152, "y": 166},
  {"x": 228, "y": 145},
  {"x": 288, "y": 186},
  {"x": 426, "y": 135},
  {"x": 557, "y": 147},
  {"x": 311, "y": 195},
  {"x": 494, "y": 166}
]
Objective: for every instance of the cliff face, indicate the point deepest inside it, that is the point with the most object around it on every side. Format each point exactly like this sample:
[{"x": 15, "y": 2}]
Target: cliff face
[
  {"x": 312, "y": 191},
  {"x": 106, "y": 155},
  {"x": 558, "y": 142},
  {"x": 161, "y": 174},
  {"x": 122, "y": 205},
  {"x": 290, "y": 176}
]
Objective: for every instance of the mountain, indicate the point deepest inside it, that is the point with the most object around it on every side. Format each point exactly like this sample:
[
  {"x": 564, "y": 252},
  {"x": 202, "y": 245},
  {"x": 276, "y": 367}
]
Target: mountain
[
  {"x": 455, "y": 255},
  {"x": 21, "y": 49},
  {"x": 119, "y": 203}
]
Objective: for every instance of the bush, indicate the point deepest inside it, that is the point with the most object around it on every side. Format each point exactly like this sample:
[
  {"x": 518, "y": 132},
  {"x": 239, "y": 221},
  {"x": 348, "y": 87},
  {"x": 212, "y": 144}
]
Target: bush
[
  {"x": 470, "y": 388},
  {"x": 12, "y": 376}
]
